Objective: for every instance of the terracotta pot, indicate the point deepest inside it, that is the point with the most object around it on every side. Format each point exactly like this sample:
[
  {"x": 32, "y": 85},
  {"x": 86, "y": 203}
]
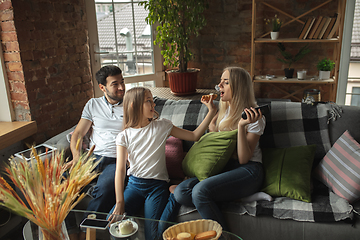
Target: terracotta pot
[{"x": 183, "y": 83}]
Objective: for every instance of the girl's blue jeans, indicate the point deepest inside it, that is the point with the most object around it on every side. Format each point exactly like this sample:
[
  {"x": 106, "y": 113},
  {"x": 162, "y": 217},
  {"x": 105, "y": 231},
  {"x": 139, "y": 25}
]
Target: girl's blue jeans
[
  {"x": 237, "y": 183},
  {"x": 152, "y": 196}
]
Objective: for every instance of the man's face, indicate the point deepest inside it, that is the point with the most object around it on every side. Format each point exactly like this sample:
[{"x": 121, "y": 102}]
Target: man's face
[{"x": 115, "y": 88}]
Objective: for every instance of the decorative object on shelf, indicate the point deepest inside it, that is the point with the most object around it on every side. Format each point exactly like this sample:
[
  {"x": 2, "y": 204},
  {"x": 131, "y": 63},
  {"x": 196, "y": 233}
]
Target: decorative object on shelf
[
  {"x": 275, "y": 23},
  {"x": 289, "y": 58},
  {"x": 179, "y": 20},
  {"x": 48, "y": 197},
  {"x": 274, "y": 35},
  {"x": 325, "y": 66},
  {"x": 301, "y": 74},
  {"x": 311, "y": 96}
]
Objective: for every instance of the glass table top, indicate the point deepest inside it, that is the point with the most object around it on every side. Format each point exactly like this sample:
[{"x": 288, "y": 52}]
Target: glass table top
[{"x": 112, "y": 231}]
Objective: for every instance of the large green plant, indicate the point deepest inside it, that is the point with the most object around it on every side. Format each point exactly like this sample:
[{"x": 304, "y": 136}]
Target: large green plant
[
  {"x": 289, "y": 58},
  {"x": 179, "y": 20}
]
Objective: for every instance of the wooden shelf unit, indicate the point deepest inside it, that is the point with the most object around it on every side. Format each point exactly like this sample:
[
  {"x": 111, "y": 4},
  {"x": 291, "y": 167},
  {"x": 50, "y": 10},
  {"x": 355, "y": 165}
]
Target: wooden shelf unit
[{"x": 279, "y": 80}]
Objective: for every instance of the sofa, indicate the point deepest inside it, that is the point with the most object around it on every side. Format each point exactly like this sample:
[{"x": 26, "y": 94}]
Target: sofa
[{"x": 301, "y": 135}]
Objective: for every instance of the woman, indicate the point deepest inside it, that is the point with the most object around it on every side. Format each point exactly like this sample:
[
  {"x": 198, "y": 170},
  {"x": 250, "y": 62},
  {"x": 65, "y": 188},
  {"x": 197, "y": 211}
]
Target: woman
[{"x": 243, "y": 175}]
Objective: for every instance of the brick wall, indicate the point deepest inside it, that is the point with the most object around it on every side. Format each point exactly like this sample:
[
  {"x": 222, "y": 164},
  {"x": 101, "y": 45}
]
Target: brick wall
[
  {"x": 226, "y": 41},
  {"x": 46, "y": 54}
]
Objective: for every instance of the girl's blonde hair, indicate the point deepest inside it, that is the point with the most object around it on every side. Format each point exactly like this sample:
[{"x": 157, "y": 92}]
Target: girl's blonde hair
[
  {"x": 133, "y": 107},
  {"x": 242, "y": 96}
]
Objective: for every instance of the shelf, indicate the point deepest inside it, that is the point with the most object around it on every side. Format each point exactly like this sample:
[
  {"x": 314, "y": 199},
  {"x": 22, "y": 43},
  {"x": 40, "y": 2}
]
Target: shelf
[
  {"x": 296, "y": 40},
  {"x": 280, "y": 79}
]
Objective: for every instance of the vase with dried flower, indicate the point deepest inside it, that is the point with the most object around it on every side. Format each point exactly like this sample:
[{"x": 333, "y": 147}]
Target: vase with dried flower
[
  {"x": 275, "y": 26},
  {"x": 48, "y": 197}
]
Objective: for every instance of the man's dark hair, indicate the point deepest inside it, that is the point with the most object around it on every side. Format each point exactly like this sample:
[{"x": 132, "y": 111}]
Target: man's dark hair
[{"x": 106, "y": 71}]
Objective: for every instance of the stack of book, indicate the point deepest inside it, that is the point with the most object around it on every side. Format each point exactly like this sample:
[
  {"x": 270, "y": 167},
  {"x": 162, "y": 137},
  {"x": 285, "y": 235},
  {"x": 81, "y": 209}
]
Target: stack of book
[{"x": 320, "y": 27}]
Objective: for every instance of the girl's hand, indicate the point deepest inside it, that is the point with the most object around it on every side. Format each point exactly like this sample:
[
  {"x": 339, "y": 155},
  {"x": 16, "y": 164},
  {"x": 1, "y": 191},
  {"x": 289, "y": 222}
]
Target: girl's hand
[
  {"x": 252, "y": 116},
  {"x": 118, "y": 210}
]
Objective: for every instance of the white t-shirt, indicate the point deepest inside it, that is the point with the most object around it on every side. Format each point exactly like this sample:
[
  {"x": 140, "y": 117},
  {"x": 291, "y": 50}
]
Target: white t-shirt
[
  {"x": 146, "y": 149},
  {"x": 107, "y": 123},
  {"x": 258, "y": 128}
]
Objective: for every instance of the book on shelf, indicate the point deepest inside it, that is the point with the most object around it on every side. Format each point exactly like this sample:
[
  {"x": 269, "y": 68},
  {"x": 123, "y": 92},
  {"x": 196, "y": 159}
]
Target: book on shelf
[
  {"x": 335, "y": 27},
  {"x": 325, "y": 27},
  {"x": 331, "y": 24},
  {"x": 306, "y": 27},
  {"x": 319, "y": 28},
  {"x": 314, "y": 27}
]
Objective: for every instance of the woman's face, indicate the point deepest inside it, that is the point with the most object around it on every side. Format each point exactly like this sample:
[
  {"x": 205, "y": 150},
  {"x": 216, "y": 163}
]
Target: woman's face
[{"x": 224, "y": 85}]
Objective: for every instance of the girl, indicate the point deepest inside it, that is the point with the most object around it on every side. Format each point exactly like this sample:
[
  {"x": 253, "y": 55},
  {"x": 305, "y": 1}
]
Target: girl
[
  {"x": 243, "y": 175},
  {"x": 143, "y": 140}
]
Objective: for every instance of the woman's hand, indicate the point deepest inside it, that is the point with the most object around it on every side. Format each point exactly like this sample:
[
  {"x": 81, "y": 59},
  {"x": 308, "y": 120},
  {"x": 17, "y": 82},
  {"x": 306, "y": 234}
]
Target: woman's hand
[
  {"x": 118, "y": 210},
  {"x": 252, "y": 116},
  {"x": 207, "y": 100}
]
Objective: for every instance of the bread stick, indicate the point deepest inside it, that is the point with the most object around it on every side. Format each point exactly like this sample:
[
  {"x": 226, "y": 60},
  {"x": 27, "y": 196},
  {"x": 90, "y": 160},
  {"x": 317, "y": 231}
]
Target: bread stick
[{"x": 205, "y": 235}]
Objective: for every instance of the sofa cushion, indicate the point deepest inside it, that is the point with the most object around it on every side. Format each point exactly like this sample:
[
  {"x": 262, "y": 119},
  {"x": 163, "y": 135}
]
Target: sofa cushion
[
  {"x": 340, "y": 168},
  {"x": 174, "y": 156},
  {"x": 288, "y": 172},
  {"x": 210, "y": 154},
  {"x": 297, "y": 124}
]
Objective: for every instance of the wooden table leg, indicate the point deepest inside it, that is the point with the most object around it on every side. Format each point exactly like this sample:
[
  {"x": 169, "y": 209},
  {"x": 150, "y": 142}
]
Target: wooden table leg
[{"x": 90, "y": 234}]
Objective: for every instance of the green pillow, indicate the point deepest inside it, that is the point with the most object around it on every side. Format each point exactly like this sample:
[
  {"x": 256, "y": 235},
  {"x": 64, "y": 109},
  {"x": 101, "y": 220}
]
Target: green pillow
[
  {"x": 288, "y": 171},
  {"x": 209, "y": 155}
]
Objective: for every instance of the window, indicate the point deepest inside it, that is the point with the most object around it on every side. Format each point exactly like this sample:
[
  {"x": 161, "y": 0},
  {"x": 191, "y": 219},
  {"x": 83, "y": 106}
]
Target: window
[{"x": 123, "y": 38}]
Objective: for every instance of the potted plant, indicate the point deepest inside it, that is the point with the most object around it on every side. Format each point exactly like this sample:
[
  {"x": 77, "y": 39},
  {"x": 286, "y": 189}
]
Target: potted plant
[
  {"x": 289, "y": 58},
  {"x": 325, "y": 66},
  {"x": 179, "y": 20},
  {"x": 275, "y": 26}
]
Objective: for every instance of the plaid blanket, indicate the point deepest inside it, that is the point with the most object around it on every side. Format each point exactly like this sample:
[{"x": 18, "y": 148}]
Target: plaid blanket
[
  {"x": 326, "y": 207},
  {"x": 297, "y": 124}
]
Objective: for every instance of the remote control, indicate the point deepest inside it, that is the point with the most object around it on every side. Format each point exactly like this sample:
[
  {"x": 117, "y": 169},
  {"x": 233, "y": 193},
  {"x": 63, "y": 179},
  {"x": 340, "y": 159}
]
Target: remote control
[{"x": 264, "y": 110}]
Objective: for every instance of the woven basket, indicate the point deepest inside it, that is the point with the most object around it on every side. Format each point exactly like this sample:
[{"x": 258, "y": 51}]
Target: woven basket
[{"x": 194, "y": 227}]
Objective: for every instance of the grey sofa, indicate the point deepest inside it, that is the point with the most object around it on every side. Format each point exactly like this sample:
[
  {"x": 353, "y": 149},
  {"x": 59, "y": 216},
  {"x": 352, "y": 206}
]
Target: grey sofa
[{"x": 268, "y": 220}]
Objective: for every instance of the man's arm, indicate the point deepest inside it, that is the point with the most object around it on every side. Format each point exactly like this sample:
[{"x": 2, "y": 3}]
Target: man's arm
[{"x": 81, "y": 129}]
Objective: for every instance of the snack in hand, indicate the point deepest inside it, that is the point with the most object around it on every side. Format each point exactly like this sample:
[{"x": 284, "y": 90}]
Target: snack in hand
[
  {"x": 126, "y": 227},
  {"x": 209, "y": 97},
  {"x": 205, "y": 235}
]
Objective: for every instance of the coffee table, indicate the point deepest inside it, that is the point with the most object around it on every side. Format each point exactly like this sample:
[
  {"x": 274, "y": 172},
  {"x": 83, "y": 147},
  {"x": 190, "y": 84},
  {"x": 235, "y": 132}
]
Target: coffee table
[{"x": 96, "y": 234}]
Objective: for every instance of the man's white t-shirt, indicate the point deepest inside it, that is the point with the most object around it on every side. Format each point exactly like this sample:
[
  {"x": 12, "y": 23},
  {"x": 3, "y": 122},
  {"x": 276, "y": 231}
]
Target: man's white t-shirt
[
  {"x": 107, "y": 123},
  {"x": 146, "y": 149}
]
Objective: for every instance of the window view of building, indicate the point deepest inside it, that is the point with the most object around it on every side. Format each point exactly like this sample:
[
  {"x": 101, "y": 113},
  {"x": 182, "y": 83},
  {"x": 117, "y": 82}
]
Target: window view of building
[
  {"x": 124, "y": 36},
  {"x": 353, "y": 86}
]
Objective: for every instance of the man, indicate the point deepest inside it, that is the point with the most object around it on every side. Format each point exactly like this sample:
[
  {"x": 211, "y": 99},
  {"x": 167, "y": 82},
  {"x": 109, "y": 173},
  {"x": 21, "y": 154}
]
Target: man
[{"x": 104, "y": 117}]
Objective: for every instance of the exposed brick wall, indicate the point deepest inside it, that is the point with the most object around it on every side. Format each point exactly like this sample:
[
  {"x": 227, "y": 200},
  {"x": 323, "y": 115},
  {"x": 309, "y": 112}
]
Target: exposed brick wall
[
  {"x": 46, "y": 53},
  {"x": 226, "y": 41}
]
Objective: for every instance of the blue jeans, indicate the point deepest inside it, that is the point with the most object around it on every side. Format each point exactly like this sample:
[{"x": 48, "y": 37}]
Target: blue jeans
[
  {"x": 103, "y": 193},
  {"x": 239, "y": 182},
  {"x": 153, "y": 196}
]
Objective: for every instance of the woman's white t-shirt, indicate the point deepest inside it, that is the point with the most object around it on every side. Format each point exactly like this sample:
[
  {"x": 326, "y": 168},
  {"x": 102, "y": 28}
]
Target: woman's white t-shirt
[
  {"x": 256, "y": 128},
  {"x": 146, "y": 149}
]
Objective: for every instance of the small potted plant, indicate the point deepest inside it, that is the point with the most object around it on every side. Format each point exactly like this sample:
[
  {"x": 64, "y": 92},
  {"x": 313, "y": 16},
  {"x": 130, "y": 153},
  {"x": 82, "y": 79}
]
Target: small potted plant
[
  {"x": 325, "y": 66},
  {"x": 289, "y": 58},
  {"x": 275, "y": 26}
]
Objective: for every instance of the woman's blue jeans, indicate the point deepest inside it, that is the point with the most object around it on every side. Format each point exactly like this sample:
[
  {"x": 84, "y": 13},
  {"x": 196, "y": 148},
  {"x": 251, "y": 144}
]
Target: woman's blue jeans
[
  {"x": 152, "y": 196},
  {"x": 237, "y": 183}
]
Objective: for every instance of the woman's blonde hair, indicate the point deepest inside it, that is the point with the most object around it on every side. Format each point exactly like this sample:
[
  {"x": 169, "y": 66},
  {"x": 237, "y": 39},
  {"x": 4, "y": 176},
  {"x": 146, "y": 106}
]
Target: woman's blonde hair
[
  {"x": 242, "y": 96},
  {"x": 133, "y": 107}
]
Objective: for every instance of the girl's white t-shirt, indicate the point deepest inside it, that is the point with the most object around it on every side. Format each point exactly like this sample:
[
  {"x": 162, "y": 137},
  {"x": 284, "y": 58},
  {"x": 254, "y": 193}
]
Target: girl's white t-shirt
[
  {"x": 146, "y": 149},
  {"x": 258, "y": 128}
]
